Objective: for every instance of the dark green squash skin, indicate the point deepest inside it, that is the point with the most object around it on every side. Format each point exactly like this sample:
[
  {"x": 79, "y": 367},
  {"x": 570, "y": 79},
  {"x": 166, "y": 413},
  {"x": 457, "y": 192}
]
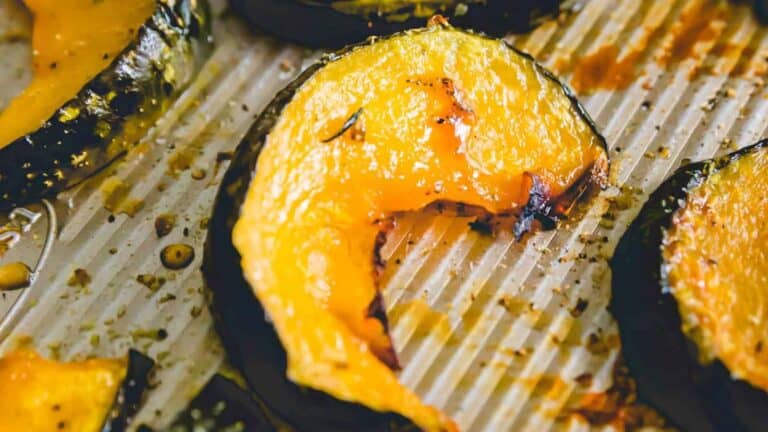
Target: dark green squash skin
[
  {"x": 249, "y": 338},
  {"x": 693, "y": 396},
  {"x": 221, "y": 405},
  {"x": 130, "y": 395},
  {"x": 113, "y": 110},
  {"x": 317, "y": 24}
]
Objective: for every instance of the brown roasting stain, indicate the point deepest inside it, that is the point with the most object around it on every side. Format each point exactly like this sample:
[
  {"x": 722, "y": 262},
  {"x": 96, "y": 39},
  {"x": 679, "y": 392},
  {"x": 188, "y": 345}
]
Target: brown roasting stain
[
  {"x": 604, "y": 69},
  {"x": 426, "y": 321},
  {"x": 700, "y": 23}
]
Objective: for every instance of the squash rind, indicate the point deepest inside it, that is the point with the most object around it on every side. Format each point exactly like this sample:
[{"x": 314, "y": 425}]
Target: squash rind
[
  {"x": 131, "y": 392},
  {"x": 222, "y": 405}
]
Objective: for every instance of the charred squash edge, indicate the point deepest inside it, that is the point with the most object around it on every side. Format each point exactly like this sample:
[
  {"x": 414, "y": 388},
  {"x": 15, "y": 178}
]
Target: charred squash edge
[
  {"x": 321, "y": 26},
  {"x": 249, "y": 338},
  {"x": 63, "y": 153},
  {"x": 665, "y": 363}
]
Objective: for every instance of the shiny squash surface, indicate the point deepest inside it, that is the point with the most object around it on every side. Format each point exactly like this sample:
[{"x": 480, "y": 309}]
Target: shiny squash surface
[
  {"x": 690, "y": 296},
  {"x": 88, "y": 396},
  {"x": 334, "y": 23},
  {"x": 435, "y": 115},
  {"x": 73, "y": 40},
  {"x": 103, "y": 72}
]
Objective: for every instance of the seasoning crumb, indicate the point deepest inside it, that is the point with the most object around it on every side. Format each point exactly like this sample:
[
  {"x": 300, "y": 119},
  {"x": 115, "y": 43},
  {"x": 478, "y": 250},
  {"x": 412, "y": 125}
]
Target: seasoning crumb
[
  {"x": 150, "y": 281},
  {"x": 164, "y": 224},
  {"x": 177, "y": 256},
  {"x": 198, "y": 173},
  {"x": 79, "y": 278},
  {"x": 512, "y": 305},
  {"x": 166, "y": 298},
  {"x": 204, "y": 223},
  {"x": 152, "y": 334},
  {"x": 287, "y": 66},
  {"x": 579, "y": 308}
]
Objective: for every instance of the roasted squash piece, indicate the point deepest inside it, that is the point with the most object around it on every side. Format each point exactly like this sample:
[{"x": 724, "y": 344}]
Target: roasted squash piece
[
  {"x": 92, "y": 395},
  {"x": 434, "y": 115},
  {"x": 690, "y": 294},
  {"x": 335, "y": 23},
  {"x": 103, "y": 71}
]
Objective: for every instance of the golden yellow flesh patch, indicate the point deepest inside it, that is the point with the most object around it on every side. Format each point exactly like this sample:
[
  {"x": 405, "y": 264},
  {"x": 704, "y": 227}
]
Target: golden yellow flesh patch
[
  {"x": 40, "y": 395},
  {"x": 717, "y": 267},
  {"x": 434, "y": 115},
  {"x": 73, "y": 40}
]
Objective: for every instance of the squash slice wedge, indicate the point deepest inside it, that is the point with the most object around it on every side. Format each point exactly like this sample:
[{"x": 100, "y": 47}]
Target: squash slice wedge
[{"x": 436, "y": 115}]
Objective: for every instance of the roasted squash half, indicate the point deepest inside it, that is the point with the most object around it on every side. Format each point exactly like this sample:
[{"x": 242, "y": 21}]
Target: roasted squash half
[
  {"x": 103, "y": 71},
  {"x": 690, "y": 294},
  {"x": 335, "y": 23},
  {"x": 427, "y": 116},
  {"x": 97, "y": 395}
]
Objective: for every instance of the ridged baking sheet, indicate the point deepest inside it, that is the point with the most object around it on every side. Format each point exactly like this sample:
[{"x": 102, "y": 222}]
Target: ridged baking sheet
[{"x": 502, "y": 335}]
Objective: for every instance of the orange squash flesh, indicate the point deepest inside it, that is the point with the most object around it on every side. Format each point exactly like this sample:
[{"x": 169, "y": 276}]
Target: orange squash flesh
[
  {"x": 73, "y": 40},
  {"x": 717, "y": 270},
  {"x": 43, "y": 395},
  {"x": 435, "y": 115}
]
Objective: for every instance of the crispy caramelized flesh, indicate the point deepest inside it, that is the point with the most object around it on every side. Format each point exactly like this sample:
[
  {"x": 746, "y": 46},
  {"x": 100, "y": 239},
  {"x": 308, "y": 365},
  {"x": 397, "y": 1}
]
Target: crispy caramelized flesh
[
  {"x": 43, "y": 395},
  {"x": 715, "y": 264},
  {"x": 73, "y": 41},
  {"x": 437, "y": 115}
]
